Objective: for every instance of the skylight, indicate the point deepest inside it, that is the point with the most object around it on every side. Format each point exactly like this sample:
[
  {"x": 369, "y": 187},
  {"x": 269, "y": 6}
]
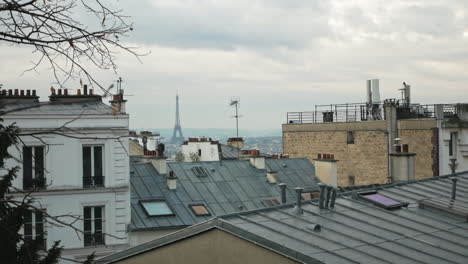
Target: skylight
[
  {"x": 156, "y": 208},
  {"x": 382, "y": 200},
  {"x": 199, "y": 171},
  {"x": 199, "y": 210}
]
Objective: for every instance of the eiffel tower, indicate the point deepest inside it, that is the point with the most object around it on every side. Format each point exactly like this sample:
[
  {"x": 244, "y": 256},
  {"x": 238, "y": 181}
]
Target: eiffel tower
[{"x": 177, "y": 128}]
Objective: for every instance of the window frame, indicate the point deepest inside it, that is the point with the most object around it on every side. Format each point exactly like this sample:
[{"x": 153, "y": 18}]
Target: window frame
[
  {"x": 35, "y": 182},
  {"x": 93, "y": 226},
  {"x": 156, "y": 200},
  {"x": 34, "y": 228},
  {"x": 93, "y": 177},
  {"x": 199, "y": 204},
  {"x": 362, "y": 195}
]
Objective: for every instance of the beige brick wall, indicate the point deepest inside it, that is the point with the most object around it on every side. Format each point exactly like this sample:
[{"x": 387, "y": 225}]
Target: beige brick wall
[{"x": 366, "y": 159}]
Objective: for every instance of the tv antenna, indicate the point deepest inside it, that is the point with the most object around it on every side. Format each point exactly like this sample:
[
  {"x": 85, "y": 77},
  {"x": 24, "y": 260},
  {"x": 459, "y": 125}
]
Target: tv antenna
[{"x": 236, "y": 102}]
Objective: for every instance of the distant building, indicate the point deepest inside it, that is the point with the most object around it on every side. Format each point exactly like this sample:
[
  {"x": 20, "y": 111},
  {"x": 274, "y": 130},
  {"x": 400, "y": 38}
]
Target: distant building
[
  {"x": 424, "y": 221},
  {"x": 370, "y": 140},
  {"x": 73, "y": 159}
]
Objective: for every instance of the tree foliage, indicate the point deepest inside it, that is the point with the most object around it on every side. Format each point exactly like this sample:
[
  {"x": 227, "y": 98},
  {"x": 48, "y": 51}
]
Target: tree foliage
[
  {"x": 13, "y": 246},
  {"x": 67, "y": 34}
]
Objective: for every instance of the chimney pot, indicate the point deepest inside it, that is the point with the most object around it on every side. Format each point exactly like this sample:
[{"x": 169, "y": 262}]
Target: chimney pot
[
  {"x": 85, "y": 89},
  {"x": 405, "y": 148},
  {"x": 298, "y": 208},
  {"x": 28, "y": 92},
  {"x": 21, "y": 92},
  {"x": 34, "y": 92},
  {"x": 59, "y": 91},
  {"x": 332, "y": 156},
  {"x": 10, "y": 92},
  {"x": 283, "y": 192},
  {"x": 91, "y": 92},
  {"x": 16, "y": 92},
  {"x": 78, "y": 92},
  {"x": 65, "y": 91},
  {"x": 319, "y": 156}
]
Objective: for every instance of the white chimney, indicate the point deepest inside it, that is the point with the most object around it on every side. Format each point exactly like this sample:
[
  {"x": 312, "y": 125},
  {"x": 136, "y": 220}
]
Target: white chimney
[
  {"x": 258, "y": 162},
  {"x": 403, "y": 165},
  {"x": 171, "y": 181},
  {"x": 326, "y": 169},
  {"x": 272, "y": 176}
]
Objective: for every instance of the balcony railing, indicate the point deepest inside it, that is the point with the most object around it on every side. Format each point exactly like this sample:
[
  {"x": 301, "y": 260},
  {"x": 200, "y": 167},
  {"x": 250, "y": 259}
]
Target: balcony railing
[
  {"x": 35, "y": 183},
  {"x": 96, "y": 181},
  {"x": 94, "y": 239}
]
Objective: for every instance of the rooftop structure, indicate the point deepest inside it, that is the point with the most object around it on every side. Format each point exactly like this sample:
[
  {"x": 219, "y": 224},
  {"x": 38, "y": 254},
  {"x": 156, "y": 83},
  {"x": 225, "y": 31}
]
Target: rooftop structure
[
  {"x": 414, "y": 222},
  {"x": 367, "y": 138}
]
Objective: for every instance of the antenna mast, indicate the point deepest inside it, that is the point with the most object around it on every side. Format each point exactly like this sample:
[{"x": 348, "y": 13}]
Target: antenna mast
[{"x": 236, "y": 104}]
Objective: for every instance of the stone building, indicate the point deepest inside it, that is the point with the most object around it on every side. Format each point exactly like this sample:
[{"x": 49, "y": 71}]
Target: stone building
[{"x": 431, "y": 137}]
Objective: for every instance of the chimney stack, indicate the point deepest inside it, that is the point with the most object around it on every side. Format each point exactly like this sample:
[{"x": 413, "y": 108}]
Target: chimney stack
[
  {"x": 236, "y": 142},
  {"x": 17, "y": 96},
  {"x": 298, "y": 208},
  {"x": 402, "y": 164},
  {"x": 326, "y": 168},
  {"x": 171, "y": 181},
  {"x": 272, "y": 176}
]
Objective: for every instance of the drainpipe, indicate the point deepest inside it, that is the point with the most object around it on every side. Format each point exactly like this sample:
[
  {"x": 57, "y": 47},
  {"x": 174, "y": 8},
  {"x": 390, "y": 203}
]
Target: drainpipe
[
  {"x": 283, "y": 192},
  {"x": 298, "y": 209},
  {"x": 454, "y": 187}
]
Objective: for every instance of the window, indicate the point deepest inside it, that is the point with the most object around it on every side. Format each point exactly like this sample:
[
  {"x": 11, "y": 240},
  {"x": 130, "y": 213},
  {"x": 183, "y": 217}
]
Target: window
[
  {"x": 93, "y": 217},
  {"x": 199, "y": 171},
  {"x": 199, "y": 210},
  {"x": 271, "y": 202},
  {"x": 350, "y": 137},
  {"x": 382, "y": 200},
  {"x": 156, "y": 208},
  {"x": 199, "y": 152},
  {"x": 34, "y": 228},
  {"x": 33, "y": 168},
  {"x": 93, "y": 167}
]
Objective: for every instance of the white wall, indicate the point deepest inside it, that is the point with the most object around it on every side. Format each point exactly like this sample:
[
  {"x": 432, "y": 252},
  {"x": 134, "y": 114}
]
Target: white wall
[
  {"x": 461, "y": 149},
  {"x": 65, "y": 194},
  {"x": 209, "y": 152}
]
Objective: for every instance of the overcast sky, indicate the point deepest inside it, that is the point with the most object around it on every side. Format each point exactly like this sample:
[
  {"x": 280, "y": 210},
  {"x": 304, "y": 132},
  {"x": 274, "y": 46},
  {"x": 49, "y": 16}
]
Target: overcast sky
[{"x": 277, "y": 56}]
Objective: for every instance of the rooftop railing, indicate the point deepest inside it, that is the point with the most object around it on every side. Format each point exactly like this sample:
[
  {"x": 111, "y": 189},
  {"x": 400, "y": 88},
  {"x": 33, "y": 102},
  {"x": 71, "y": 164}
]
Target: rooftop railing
[{"x": 356, "y": 112}]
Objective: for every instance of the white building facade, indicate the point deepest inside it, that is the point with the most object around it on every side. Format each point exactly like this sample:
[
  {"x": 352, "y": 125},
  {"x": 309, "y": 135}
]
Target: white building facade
[{"x": 74, "y": 160}]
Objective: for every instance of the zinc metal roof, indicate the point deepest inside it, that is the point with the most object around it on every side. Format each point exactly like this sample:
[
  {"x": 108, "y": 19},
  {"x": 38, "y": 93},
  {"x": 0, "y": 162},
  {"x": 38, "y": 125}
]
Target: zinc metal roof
[
  {"x": 355, "y": 231},
  {"x": 231, "y": 186},
  {"x": 56, "y": 108}
]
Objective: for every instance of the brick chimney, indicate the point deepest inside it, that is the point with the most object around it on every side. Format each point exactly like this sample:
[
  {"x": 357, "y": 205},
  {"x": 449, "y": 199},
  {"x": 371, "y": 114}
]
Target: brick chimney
[
  {"x": 236, "y": 142},
  {"x": 18, "y": 96},
  {"x": 118, "y": 103}
]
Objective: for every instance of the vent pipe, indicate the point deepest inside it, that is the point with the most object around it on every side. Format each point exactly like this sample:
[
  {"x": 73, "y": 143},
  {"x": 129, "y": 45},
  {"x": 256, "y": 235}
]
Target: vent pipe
[
  {"x": 298, "y": 208},
  {"x": 327, "y": 197},
  {"x": 171, "y": 181},
  {"x": 454, "y": 187},
  {"x": 333, "y": 198},
  {"x": 283, "y": 192},
  {"x": 322, "y": 195}
]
